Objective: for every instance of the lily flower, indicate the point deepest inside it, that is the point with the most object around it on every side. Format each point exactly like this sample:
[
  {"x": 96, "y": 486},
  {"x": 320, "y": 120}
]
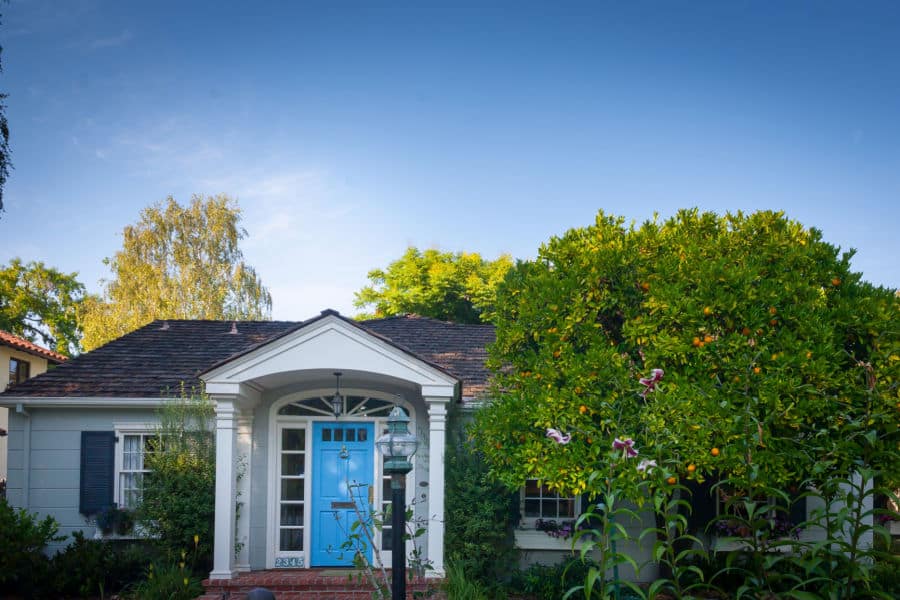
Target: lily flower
[
  {"x": 649, "y": 383},
  {"x": 626, "y": 446},
  {"x": 646, "y": 465},
  {"x": 558, "y": 436}
]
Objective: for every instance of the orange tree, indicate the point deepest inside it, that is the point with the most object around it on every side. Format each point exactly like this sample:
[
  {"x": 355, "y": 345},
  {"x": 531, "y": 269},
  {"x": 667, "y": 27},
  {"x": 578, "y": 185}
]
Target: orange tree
[{"x": 780, "y": 363}]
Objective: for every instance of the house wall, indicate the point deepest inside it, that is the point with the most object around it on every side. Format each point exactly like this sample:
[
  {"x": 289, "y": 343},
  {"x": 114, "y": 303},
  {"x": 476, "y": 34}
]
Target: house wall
[
  {"x": 49, "y": 440},
  {"x": 38, "y": 365}
]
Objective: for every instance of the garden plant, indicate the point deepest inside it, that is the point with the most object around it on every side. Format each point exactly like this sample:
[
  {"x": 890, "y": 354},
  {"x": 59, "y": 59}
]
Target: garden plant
[{"x": 635, "y": 360}]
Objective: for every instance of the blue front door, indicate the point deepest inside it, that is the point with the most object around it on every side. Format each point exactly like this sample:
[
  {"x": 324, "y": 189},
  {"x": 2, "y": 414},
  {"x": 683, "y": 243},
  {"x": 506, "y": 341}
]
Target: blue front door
[{"x": 343, "y": 473}]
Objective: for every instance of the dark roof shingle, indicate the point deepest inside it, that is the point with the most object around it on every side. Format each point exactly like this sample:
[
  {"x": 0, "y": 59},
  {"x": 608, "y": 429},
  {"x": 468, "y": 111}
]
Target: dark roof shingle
[{"x": 159, "y": 357}]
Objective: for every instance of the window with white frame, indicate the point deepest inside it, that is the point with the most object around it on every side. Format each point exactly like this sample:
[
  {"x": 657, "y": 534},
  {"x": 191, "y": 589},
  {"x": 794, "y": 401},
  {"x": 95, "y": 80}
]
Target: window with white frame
[
  {"x": 539, "y": 502},
  {"x": 133, "y": 448}
]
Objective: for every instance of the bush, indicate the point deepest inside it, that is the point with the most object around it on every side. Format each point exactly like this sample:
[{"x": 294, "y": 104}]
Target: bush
[
  {"x": 460, "y": 587},
  {"x": 178, "y": 504},
  {"x": 23, "y": 565},
  {"x": 479, "y": 525},
  {"x": 87, "y": 567},
  {"x": 551, "y": 582}
]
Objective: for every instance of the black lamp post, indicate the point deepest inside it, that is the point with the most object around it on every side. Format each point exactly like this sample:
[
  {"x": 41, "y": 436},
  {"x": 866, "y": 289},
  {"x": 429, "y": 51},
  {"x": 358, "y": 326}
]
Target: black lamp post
[{"x": 397, "y": 446}]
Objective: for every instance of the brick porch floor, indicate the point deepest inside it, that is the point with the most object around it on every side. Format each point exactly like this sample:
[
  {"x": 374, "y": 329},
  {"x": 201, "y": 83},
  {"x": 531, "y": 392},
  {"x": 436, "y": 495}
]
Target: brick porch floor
[{"x": 302, "y": 584}]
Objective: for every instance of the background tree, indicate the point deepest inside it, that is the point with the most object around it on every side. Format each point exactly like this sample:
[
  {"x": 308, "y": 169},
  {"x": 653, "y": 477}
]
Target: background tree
[
  {"x": 40, "y": 303},
  {"x": 779, "y": 362},
  {"x": 177, "y": 263},
  {"x": 458, "y": 287},
  {"x": 5, "y": 163}
]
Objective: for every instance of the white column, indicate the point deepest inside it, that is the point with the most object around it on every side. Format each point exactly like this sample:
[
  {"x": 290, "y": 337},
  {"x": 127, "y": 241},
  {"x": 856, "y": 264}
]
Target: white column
[
  {"x": 223, "y": 552},
  {"x": 244, "y": 459},
  {"x": 437, "y": 437}
]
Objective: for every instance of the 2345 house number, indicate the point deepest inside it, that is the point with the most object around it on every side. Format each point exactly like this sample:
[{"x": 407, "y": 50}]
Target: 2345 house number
[{"x": 289, "y": 562}]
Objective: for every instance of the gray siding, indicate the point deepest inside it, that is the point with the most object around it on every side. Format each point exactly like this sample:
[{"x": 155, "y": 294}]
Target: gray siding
[{"x": 55, "y": 459}]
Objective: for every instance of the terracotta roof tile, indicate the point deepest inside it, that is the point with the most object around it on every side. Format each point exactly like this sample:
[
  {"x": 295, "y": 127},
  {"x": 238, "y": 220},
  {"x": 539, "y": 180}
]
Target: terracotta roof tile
[
  {"x": 14, "y": 341},
  {"x": 164, "y": 354}
]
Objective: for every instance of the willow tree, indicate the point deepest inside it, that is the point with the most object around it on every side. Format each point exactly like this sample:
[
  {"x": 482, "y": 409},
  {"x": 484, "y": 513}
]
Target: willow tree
[
  {"x": 777, "y": 362},
  {"x": 459, "y": 287},
  {"x": 177, "y": 262}
]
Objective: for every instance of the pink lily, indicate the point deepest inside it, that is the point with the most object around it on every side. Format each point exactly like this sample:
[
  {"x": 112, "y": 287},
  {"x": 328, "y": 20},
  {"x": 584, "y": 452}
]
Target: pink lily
[
  {"x": 558, "y": 436},
  {"x": 626, "y": 446},
  {"x": 646, "y": 465},
  {"x": 649, "y": 383}
]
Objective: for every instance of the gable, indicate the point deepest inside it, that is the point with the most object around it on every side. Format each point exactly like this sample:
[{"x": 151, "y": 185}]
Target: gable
[{"x": 327, "y": 344}]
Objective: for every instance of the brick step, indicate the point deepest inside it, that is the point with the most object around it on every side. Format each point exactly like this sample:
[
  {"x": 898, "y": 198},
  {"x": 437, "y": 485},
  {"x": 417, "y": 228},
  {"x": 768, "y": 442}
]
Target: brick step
[{"x": 311, "y": 584}]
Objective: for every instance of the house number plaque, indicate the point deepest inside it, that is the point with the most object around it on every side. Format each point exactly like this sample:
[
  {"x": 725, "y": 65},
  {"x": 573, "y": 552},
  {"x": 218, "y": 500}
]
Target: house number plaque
[{"x": 289, "y": 562}]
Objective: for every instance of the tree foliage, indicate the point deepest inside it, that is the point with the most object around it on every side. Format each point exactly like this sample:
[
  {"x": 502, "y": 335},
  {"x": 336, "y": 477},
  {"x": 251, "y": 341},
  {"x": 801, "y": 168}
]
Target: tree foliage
[
  {"x": 458, "y": 287},
  {"x": 40, "y": 304},
  {"x": 5, "y": 162},
  {"x": 779, "y": 362},
  {"x": 177, "y": 263}
]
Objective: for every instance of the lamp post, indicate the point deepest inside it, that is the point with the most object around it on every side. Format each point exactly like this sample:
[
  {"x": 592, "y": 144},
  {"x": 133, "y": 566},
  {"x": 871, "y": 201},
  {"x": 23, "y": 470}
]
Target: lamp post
[{"x": 397, "y": 446}]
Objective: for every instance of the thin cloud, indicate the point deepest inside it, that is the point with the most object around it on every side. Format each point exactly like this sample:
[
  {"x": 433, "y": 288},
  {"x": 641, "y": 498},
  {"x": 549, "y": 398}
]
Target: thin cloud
[{"x": 112, "y": 42}]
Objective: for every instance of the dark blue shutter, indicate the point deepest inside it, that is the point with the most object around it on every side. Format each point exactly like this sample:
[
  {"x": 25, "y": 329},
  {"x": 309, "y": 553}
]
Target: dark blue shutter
[
  {"x": 98, "y": 451},
  {"x": 703, "y": 505},
  {"x": 798, "y": 510}
]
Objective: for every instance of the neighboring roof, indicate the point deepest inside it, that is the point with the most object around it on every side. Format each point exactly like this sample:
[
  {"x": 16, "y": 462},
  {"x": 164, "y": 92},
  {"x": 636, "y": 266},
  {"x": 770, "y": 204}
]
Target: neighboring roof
[
  {"x": 164, "y": 354},
  {"x": 23, "y": 345}
]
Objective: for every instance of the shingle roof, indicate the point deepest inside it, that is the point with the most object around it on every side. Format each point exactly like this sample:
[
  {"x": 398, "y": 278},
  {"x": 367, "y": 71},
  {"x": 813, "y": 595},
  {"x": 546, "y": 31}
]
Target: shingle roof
[
  {"x": 14, "y": 341},
  {"x": 160, "y": 356}
]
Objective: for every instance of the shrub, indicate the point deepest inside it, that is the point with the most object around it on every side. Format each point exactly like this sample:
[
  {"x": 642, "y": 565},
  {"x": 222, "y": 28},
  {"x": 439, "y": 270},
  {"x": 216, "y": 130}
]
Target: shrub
[
  {"x": 89, "y": 567},
  {"x": 551, "y": 582},
  {"x": 23, "y": 564},
  {"x": 178, "y": 504},
  {"x": 479, "y": 525}
]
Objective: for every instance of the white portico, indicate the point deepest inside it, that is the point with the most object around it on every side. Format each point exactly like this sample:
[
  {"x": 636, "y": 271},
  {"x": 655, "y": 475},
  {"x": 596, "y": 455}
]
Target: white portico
[{"x": 280, "y": 449}]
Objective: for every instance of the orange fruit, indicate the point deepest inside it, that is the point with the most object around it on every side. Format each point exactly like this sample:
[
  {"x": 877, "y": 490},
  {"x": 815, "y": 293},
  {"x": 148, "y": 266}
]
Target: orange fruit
[
  {"x": 696, "y": 342},
  {"x": 707, "y": 311},
  {"x": 808, "y": 355},
  {"x": 737, "y": 378},
  {"x": 836, "y": 282},
  {"x": 691, "y": 468},
  {"x": 746, "y": 331},
  {"x": 671, "y": 481},
  {"x": 645, "y": 286},
  {"x": 714, "y": 451},
  {"x": 582, "y": 409},
  {"x": 498, "y": 445},
  {"x": 772, "y": 310},
  {"x": 756, "y": 370},
  {"x": 773, "y": 322},
  {"x": 707, "y": 338}
]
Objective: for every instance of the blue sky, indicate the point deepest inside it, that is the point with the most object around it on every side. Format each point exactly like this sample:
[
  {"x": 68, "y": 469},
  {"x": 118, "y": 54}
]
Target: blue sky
[{"x": 349, "y": 130}]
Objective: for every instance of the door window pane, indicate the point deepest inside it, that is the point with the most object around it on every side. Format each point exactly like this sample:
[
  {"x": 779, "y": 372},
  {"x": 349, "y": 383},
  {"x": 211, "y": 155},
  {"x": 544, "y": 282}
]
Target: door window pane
[
  {"x": 291, "y": 540},
  {"x": 293, "y": 464},
  {"x": 292, "y": 489},
  {"x": 293, "y": 439}
]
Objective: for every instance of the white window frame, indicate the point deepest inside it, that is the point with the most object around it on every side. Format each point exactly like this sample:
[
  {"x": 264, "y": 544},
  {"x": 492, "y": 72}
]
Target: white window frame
[
  {"x": 526, "y": 522},
  {"x": 122, "y": 430}
]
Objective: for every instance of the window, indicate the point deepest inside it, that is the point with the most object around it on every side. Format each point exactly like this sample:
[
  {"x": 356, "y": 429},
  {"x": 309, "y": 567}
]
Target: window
[
  {"x": 539, "y": 502},
  {"x": 19, "y": 370},
  {"x": 133, "y": 448}
]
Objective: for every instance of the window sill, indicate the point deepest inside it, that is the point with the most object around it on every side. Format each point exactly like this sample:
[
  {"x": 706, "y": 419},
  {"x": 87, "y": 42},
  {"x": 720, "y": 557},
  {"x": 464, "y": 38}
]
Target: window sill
[
  {"x": 531, "y": 539},
  {"x": 732, "y": 544}
]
